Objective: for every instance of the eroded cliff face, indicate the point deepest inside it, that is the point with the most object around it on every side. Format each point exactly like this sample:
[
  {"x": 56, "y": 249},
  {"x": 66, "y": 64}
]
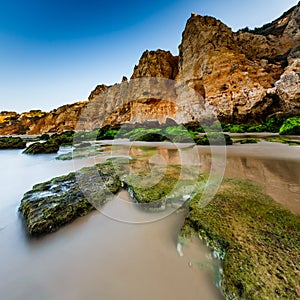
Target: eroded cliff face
[
  {"x": 243, "y": 76},
  {"x": 246, "y": 76}
]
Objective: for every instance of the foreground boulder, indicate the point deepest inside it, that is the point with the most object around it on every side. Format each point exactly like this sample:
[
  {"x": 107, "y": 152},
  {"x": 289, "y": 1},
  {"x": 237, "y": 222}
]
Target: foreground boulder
[{"x": 51, "y": 204}]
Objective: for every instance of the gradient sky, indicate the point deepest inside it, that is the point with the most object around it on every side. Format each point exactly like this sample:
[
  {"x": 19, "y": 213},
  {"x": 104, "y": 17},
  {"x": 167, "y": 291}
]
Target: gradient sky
[{"x": 54, "y": 52}]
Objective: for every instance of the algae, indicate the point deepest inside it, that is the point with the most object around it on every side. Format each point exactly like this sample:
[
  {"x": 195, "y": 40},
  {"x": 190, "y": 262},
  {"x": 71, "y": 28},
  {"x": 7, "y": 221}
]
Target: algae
[
  {"x": 291, "y": 126},
  {"x": 54, "y": 203},
  {"x": 42, "y": 148},
  {"x": 256, "y": 238},
  {"x": 282, "y": 140},
  {"x": 12, "y": 143},
  {"x": 158, "y": 186},
  {"x": 247, "y": 141}
]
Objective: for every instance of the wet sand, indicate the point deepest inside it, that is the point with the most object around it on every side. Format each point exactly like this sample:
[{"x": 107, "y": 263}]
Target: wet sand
[{"x": 274, "y": 166}]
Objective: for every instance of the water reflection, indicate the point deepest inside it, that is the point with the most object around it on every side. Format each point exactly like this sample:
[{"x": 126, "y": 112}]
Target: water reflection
[{"x": 273, "y": 166}]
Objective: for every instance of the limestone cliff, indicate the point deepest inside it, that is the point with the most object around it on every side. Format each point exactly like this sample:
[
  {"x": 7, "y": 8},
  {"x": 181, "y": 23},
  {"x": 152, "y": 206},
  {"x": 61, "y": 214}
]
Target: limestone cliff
[
  {"x": 239, "y": 70},
  {"x": 244, "y": 76}
]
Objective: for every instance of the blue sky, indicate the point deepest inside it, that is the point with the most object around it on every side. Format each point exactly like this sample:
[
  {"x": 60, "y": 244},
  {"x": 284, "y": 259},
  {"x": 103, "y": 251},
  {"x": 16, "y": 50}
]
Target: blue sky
[{"x": 54, "y": 52}]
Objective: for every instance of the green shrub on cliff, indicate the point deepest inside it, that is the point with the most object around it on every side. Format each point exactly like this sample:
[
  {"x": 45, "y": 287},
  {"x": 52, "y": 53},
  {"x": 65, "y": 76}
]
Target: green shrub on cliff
[{"x": 291, "y": 126}]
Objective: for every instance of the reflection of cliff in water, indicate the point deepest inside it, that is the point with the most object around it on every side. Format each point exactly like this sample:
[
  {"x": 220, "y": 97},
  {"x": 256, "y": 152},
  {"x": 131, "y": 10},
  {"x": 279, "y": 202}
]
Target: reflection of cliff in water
[
  {"x": 280, "y": 178},
  {"x": 274, "y": 166}
]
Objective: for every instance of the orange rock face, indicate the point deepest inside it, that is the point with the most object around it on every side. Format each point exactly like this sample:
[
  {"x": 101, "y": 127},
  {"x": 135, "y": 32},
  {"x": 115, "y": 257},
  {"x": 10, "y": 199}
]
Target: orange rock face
[
  {"x": 243, "y": 76},
  {"x": 238, "y": 70}
]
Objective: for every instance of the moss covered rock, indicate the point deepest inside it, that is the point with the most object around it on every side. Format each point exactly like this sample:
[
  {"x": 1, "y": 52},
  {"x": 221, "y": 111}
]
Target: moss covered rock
[
  {"x": 12, "y": 143},
  {"x": 52, "y": 143},
  {"x": 159, "y": 186},
  {"x": 213, "y": 138},
  {"x": 247, "y": 141},
  {"x": 51, "y": 204},
  {"x": 64, "y": 138},
  {"x": 42, "y": 148},
  {"x": 290, "y": 126},
  {"x": 256, "y": 238}
]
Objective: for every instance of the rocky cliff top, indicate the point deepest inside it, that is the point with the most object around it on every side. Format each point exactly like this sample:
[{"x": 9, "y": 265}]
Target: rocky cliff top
[
  {"x": 283, "y": 33},
  {"x": 157, "y": 63}
]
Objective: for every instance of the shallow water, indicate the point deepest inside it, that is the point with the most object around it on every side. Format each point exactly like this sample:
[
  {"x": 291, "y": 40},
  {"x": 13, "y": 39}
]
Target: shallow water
[
  {"x": 275, "y": 167},
  {"x": 95, "y": 257}
]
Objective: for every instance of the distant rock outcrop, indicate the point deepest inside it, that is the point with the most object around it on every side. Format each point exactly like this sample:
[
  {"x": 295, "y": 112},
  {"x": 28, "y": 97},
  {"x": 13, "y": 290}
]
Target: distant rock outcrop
[
  {"x": 37, "y": 122},
  {"x": 244, "y": 76}
]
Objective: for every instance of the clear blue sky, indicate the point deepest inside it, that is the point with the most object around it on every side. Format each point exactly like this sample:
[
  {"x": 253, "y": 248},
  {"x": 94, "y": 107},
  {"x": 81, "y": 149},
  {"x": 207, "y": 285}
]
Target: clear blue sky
[{"x": 54, "y": 52}]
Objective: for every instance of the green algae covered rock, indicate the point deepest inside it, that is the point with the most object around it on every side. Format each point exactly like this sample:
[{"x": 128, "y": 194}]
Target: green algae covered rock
[
  {"x": 214, "y": 138},
  {"x": 42, "y": 148},
  {"x": 291, "y": 126},
  {"x": 256, "y": 238},
  {"x": 247, "y": 141},
  {"x": 64, "y": 138},
  {"x": 51, "y": 204},
  {"x": 52, "y": 144},
  {"x": 12, "y": 143},
  {"x": 160, "y": 186}
]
